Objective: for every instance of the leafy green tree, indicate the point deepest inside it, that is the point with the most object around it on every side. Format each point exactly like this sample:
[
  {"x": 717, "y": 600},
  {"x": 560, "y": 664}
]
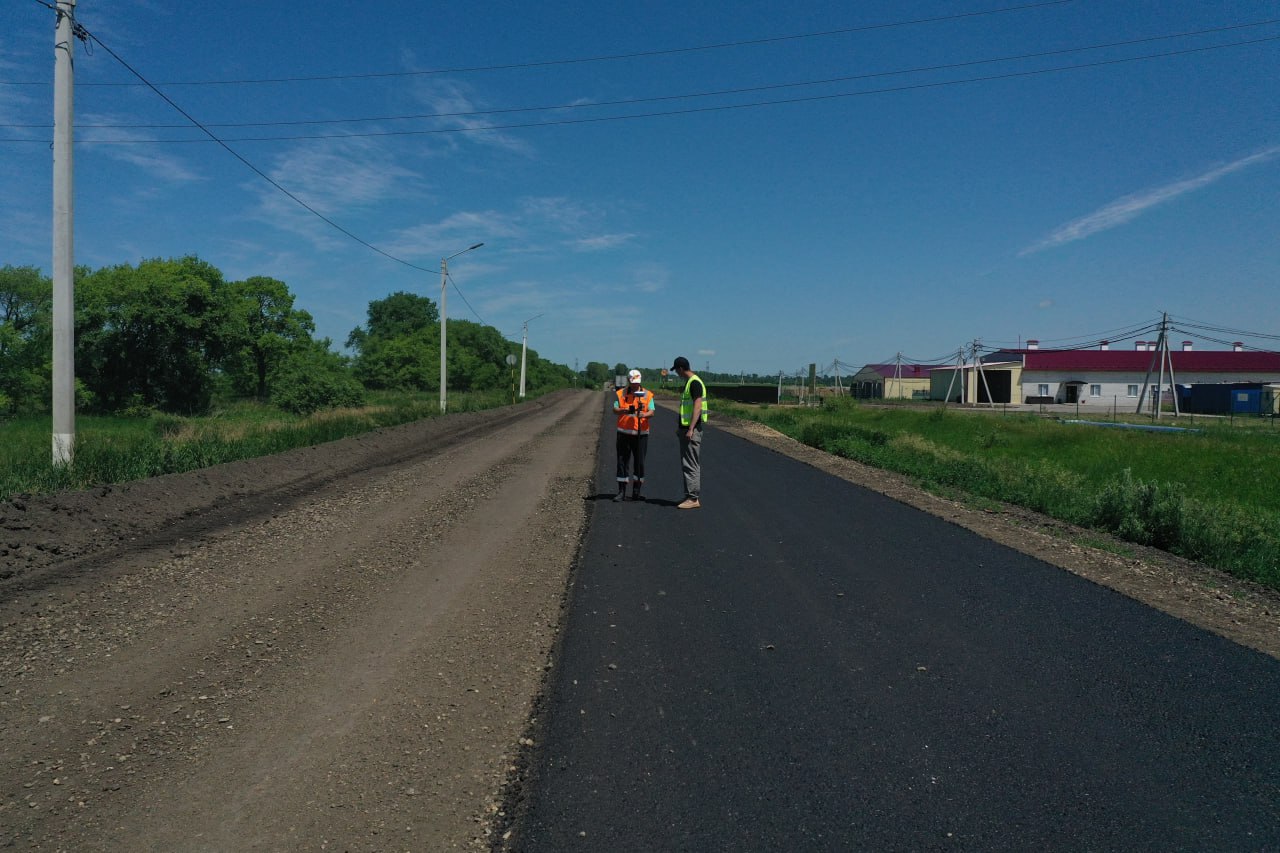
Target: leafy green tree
[
  {"x": 26, "y": 338},
  {"x": 151, "y": 335},
  {"x": 398, "y": 315},
  {"x": 407, "y": 363},
  {"x": 543, "y": 374},
  {"x": 264, "y": 329},
  {"x": 620, "y": 369},
  {"x": 311, "y": 377},
  {"x": 598, "y": 371}
]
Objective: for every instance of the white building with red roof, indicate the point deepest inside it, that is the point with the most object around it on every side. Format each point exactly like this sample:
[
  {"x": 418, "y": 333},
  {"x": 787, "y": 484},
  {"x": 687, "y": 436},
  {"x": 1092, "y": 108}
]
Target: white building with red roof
[{"x": 1109, "y": 376}]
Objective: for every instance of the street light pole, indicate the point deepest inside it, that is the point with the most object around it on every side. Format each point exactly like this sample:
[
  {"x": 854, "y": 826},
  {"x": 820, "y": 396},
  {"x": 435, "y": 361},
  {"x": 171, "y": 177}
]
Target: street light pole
[
  {"x": 64, "y": 370},
  {"x": 444, "y": 330},
  {"x": 524, "y": 350}
]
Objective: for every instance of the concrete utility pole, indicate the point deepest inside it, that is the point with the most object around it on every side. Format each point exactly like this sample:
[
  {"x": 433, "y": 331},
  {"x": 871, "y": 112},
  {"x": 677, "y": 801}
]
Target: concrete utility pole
[
  {"x": 444, "y": 278},
  {"x": 64, "y": 368},
  {"x": 524, "y": 351},
  {"x": 1161, "y": 353}
]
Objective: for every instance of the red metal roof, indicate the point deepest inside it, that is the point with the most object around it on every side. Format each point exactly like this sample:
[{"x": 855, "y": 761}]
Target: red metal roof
[
  {"x": 1129, "y": 361},
  {"x": 909, "y": 371}
]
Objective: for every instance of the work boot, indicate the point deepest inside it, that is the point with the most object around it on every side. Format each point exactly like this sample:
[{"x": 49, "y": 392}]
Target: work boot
[
  {"x": 621, "y": 495},
  {"x": 635, "y": 494}
]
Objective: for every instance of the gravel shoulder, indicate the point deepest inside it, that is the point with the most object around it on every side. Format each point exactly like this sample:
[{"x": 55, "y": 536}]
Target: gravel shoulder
[{"x": 335, "y": 648}]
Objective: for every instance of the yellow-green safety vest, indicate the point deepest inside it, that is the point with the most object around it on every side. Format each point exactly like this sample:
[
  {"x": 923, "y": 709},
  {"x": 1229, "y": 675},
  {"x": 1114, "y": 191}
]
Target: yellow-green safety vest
[{"x": 686, "y": 402}]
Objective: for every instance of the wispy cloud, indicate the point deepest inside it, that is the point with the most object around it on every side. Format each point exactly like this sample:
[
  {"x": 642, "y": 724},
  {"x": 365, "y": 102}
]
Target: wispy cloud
[
  {"x": 118, "y": 145},
  {"x": 706, "y": 352},
  {"x": 448, "y": 101},
  {"x": 454, "y": 233},
  {"x": 335, "y": 179},
  {"x": 1045, "y": 303},
  {"x": 1129, "y": 207},
  {"x": 599, "y": 242}
]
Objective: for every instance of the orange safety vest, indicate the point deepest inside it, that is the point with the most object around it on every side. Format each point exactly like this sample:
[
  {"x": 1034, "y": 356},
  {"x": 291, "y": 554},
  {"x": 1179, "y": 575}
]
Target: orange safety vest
[{"x": 627, "y": 422}]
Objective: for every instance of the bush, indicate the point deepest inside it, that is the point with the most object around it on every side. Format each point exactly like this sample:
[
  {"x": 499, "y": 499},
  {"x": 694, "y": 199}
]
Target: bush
[
  {"x": 304, "y": 393},
  {"x": 1146, "y": 513}
]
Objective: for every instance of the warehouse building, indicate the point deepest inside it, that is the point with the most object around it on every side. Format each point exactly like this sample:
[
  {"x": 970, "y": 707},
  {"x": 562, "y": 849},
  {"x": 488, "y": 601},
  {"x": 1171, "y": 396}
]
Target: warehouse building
[
  {"x": 892, "y": 381},
  {"x": 1108, "y": 376}
]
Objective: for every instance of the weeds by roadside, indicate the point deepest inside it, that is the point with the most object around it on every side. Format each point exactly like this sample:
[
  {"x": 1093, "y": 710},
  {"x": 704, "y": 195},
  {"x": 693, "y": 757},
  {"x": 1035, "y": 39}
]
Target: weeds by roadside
[{"x": 120, "y": 449}]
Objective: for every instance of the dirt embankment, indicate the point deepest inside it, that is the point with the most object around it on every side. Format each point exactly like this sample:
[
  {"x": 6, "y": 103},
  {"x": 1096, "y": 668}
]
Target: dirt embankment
[{"x": 334, "y": 648}]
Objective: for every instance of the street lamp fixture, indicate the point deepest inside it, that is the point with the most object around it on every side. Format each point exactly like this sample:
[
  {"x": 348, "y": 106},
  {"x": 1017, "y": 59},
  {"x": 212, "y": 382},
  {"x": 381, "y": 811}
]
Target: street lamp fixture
[
  {"x": 444, "y": 279},
  {"x": 524, "y": 350}
]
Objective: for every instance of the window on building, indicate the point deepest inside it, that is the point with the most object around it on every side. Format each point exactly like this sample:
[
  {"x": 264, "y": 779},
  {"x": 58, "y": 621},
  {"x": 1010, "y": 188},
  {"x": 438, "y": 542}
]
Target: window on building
[
  {"x": 1095, "y": 390},
  {"x": 1042, "y": 390},
  {"x": 1133, "y": 390}
]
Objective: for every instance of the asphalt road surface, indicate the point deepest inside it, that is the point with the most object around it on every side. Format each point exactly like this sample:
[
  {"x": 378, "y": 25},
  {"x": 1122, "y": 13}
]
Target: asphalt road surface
[{"x": 806, "y": 665}]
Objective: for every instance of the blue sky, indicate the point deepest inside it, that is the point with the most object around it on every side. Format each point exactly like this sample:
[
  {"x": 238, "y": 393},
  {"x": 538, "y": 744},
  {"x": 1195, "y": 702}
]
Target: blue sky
[{"x": 844, "y": 223}]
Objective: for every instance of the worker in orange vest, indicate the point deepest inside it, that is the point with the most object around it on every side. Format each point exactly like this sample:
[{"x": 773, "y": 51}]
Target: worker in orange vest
[{"x": 634, "y": 407}]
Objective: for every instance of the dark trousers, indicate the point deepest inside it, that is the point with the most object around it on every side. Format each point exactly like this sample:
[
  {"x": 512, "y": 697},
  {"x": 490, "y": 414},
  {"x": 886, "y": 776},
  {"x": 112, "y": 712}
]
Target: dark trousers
[{"x": 631, "y": 447}]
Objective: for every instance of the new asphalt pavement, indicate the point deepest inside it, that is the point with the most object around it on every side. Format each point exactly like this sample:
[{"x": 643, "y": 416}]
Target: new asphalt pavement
[{"x": 803, "y": 664}]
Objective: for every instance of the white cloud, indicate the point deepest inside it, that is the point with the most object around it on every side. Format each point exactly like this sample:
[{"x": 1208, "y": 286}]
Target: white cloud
[
  {"x": 336, "y": 177},
  {"x": 122, "y": 145},
  {"x": 706, "y": 352},
  {"x": 1129, "y": 207},
  {"x": 454, "y": 233},
  {"x": 448, "y": 100},
  {"x": 1045, "y": 303},
  {"x": 599, "y": 242}
]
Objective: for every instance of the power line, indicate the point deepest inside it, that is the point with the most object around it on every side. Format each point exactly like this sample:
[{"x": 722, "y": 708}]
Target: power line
[
  {"x": 458, "y": 290},
  {"x": 251, "y": 166},
  {"x": 588, "y": 59},
  {"x": 1198, "y": 324},
  {"x": 1205, "y": 337},
  {"x": 687, "y": 96},
  {"x": 690, "y": 111}
]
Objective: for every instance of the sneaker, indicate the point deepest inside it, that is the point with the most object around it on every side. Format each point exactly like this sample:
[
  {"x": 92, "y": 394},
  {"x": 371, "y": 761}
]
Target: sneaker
[{"x": 689, "y": 503}]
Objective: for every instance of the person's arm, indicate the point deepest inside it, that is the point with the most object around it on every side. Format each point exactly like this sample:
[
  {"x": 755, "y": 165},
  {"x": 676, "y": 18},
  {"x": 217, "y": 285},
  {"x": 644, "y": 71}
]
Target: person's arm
[
  {"x": 647, "y": 411},
  {"x": 697, "y": 411}
]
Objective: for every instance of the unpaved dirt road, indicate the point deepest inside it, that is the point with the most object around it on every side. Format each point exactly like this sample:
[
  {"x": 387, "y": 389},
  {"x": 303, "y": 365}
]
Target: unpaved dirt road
[{"x": 336, "y": 648}]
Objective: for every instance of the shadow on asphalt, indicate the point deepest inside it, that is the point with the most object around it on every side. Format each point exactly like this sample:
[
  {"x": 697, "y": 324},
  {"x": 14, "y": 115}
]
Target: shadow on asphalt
[{"x": 608, "y": 496}]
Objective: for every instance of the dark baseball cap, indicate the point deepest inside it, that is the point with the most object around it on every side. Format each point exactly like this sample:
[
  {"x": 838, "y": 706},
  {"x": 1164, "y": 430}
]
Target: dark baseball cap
[{"x": 681, "y": 363}]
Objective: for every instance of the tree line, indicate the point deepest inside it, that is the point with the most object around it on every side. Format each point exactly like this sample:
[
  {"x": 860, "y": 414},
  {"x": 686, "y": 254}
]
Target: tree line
[{"x": 174, "y": 335}]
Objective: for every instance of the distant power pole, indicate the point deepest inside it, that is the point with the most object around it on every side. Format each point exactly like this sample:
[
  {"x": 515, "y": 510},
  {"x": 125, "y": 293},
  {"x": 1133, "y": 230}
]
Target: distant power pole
[{"x": 64, "y": 368}]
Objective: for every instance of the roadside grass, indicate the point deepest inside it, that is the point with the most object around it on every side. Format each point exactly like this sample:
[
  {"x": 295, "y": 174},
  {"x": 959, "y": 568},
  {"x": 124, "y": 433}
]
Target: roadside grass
[
  {"x": 1210, "y": 496},
  {"x": 117, "y": 449}
]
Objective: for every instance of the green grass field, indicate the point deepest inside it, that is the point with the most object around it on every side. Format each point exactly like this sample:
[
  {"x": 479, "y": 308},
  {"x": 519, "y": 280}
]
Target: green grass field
[
  {"x": 1211, "y": 495},
  {"x": 118, "y": 449}
]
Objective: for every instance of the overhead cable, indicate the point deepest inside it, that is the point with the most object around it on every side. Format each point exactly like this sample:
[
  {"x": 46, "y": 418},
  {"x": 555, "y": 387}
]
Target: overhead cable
[
  {"x": 251, "y": 166},
  {"x": 589, "y": 59},
  {"x": 458, "y": 290},
  {"x": 687, "y": 96},
  {"x": 690, "y": 111}
]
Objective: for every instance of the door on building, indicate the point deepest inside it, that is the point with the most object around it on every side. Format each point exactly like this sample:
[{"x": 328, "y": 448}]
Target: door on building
[
  {"x": 1073, "y": 391},
  {"x": 1000, "y": 384}
]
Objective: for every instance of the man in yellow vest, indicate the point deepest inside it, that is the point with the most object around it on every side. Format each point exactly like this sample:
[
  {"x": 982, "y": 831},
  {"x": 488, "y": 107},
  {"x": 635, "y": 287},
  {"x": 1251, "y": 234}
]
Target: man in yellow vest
[
  {"x": 634, "y": 407},
  {"x": 693, "y": 416}
]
